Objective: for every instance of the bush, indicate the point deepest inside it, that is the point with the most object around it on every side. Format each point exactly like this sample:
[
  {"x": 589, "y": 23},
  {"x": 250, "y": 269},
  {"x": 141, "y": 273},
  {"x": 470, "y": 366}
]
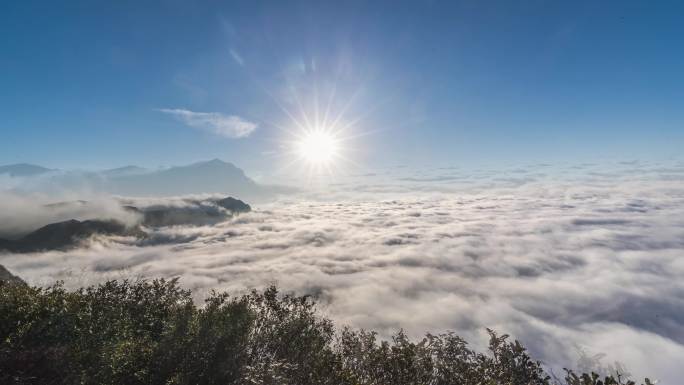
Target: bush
[{"x": 150, "y": 332}]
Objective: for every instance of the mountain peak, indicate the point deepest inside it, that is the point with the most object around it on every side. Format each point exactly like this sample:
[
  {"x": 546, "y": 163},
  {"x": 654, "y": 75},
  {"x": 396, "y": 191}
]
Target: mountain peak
[{"x": 214, "y": 162}]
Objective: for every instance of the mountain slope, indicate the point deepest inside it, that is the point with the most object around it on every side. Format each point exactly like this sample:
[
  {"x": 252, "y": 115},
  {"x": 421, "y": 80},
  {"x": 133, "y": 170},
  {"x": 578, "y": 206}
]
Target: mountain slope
[
  {"x": 214, "y": 176},
  {"x": 23, "y": 169},
  {"x": 62, "y": 235},
  {"x": 6, "y": 276}
]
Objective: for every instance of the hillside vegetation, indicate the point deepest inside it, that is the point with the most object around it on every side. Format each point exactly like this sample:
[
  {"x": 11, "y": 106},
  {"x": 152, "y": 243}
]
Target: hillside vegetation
[{"x": 151, "y": 332}]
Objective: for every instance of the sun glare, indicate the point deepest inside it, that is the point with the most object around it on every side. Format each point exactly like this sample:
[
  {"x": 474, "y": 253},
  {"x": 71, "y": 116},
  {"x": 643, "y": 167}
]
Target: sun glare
[
  {"x": 321, "y": 130},
  {"x": 318, "y": 147}
]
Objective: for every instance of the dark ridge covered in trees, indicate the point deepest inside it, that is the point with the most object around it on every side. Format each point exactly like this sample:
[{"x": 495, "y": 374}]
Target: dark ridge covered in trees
[{"x": 151, "y": 332}]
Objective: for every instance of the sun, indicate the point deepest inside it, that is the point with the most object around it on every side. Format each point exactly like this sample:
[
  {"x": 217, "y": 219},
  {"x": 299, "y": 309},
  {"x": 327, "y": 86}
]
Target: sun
[
  {"x": 321, "y": 130},
  {"x": 318, "y": 147}
]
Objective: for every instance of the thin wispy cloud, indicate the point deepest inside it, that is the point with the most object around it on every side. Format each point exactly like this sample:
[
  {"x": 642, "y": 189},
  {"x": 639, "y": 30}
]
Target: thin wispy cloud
[
  {"x": 237, "y": 57},
  {"x": 229, "y": 126}
]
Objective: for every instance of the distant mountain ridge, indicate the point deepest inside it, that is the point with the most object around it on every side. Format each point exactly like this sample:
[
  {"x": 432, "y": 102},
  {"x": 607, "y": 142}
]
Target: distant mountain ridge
[
  {"x": 23, "y": 169},
  {"x": 126, "y": 170},
  {"x": 213, "y": 176}
]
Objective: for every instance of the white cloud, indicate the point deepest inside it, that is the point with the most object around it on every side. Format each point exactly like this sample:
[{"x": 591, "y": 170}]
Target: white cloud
[
  {"x": 587, "y": 259},
  {"x": 229, "y": 126}
]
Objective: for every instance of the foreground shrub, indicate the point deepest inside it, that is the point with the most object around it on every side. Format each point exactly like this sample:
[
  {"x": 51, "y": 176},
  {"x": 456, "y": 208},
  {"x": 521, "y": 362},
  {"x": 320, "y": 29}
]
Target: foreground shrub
[{"x": 150, "y": 332}]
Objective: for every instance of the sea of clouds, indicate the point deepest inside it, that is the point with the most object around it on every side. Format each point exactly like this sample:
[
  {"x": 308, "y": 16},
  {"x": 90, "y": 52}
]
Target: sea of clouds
[{"x": 574, "y": 261}]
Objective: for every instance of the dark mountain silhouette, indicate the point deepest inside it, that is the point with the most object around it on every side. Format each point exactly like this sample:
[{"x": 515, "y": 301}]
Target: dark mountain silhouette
[
  {"x": 234, "y": 205},
  {"x": 68, "y": 234},
  {"x": 6, "y": 276},
  {"x": 194, "y": 212},
  {"x": 23, "y": 169},
  {"x": 63, "y": 235}
]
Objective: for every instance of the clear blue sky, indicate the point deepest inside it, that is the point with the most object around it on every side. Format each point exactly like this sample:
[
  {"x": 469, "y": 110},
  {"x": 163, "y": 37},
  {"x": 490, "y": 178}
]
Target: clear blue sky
[{"x": 436, "y": 82}]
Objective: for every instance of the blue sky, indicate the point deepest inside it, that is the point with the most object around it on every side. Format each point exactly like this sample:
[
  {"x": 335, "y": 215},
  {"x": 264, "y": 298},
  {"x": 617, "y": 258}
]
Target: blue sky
[{"x": 86, "y": 84}]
